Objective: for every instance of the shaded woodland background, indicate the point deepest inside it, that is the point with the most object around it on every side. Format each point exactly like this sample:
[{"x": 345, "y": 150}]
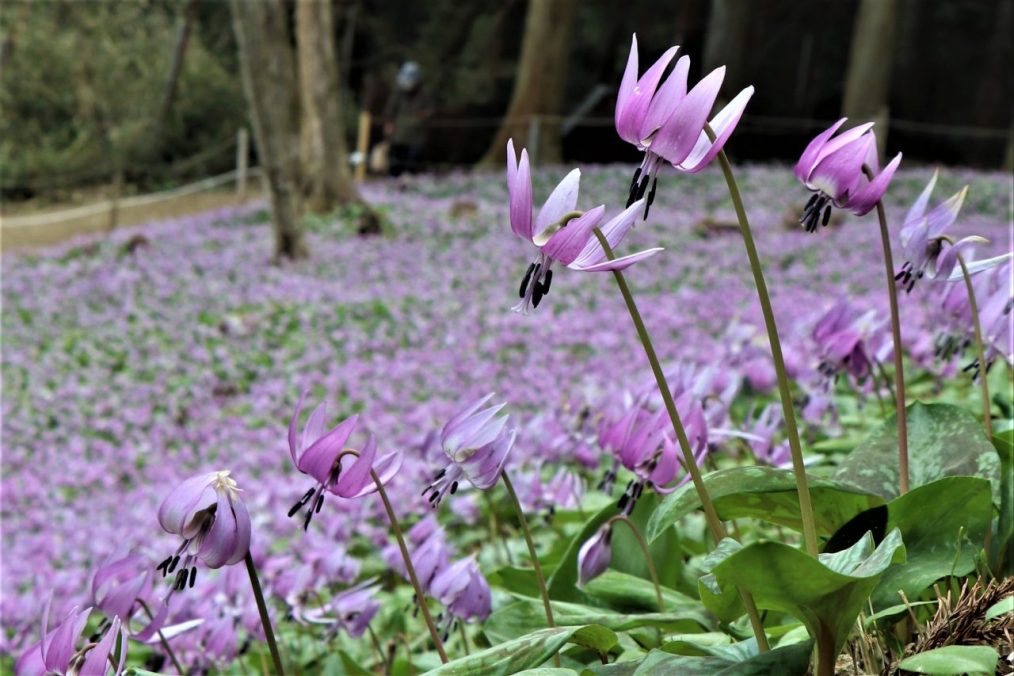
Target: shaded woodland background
[{"x": 150, "y": 91}]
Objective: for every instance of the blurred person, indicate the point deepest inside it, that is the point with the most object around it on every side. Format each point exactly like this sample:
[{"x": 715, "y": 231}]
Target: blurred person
[{"x": 404, "y": 120}]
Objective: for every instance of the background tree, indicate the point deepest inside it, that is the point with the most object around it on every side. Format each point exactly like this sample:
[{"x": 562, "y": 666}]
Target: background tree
[
  {"x": 870, "y": 55},
  {"x": 540, "y": 80},
  {"x": 269, "y": 80}
]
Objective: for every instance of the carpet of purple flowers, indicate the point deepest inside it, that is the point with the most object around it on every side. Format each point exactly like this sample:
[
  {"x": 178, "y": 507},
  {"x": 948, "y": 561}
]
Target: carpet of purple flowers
[{"x": 136, "y": 361}]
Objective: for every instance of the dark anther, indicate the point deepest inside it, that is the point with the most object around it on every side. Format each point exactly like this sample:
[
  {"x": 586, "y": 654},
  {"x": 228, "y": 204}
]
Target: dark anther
[
  {"x": 651, "y": 197},
  {"x": 320, "y": 503},
  {"x": 193, "y": 576},
  {"x": 435, "y": 496},
  {"x": 524, "y": 283},
  {"x": 306, "y": 520},
  {"x": 440, "y": 474},
  {"x": 537, "y": 295},
  {"x": 181, "y": 580},
  {"x": 827, "y": 215},
  {"x": 164, "y": 566},
  {"x": 632, "y": 197},
  {"x": 454, "y": 487},
  {"x": 623, "y": 501},
  {"x": 809, "y": 203},
  {"x": 547, "y": 281},
  {"x": 302, "y": 501},
  {"x": 172, "y": 564}
]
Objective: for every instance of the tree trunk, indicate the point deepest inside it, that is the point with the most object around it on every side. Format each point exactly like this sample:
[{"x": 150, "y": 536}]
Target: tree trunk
[
  {"x": 175, "y": 68},
  {"x": 539, "y": 83},
  {"x": 269, "y": 80},
  {"x": 726, "y": 43},
  {"x": 327, "y": 181},
  {"x": 870, "y": 56}
]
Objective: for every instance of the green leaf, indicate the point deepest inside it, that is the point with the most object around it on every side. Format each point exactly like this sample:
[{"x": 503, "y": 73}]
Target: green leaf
[
  {"x": 764, "y": 493},
  {"x": 943, "y": 525},
  {"x": 1000, "y": 608},
  {"x": 624, "y": 592},
  {"x": 1003, "y": 441},
  {"x": 528, "y": 651},
  {"x": 524, "y": 615},
  {"x": 627, "y": 556},
  {"x": 740, "y": 659},
  {"x": 943, "y": 440},
  {"x": 825, "y": 594},
  {"x": 953, "y": 659},
  {"x": 725, "y": 604}
]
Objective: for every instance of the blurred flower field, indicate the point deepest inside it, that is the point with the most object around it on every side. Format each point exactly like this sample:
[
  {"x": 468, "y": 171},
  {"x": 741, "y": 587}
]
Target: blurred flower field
[{"x": 133, "y": 362}]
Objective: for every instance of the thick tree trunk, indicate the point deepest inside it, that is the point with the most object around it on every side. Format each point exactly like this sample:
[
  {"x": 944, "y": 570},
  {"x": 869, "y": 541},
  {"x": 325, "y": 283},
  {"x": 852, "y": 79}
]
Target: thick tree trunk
[
  {"x": 175, "y": 68},
  {"x": 870, "y": 56},
  {"x": 269, "y": 80},
  {"x": 539, "y": 84}
]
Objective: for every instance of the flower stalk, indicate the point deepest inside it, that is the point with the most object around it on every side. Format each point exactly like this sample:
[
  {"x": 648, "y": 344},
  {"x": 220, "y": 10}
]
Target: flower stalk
[
  {"x": 987, "y": 418},
  {"x": 539, "y": 577},
  {"x": 715, "y": 526},
  {"x": 161, "y": 637},
  {"x": 899, "y": 372},
  {"x": 791, "y": 428},
  {"x": 262, "y": 609},
  {"x": 647, "y": 556}
]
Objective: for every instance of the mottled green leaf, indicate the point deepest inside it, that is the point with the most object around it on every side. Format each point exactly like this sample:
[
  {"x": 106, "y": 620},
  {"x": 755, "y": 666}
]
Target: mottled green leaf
[
  {"x": 522, "y": 616},
  {"x": 953, "y": 659},
  {"x": 528, "y": 651},
  {"x": 741, "y": 659},
  {"x": 943, "y": 440},
  {"x": 764, "y": 493},
  {"x": 943, "y": 525},
  {"x": 1003, "y": 543},
  {"x": 825, "y": 593},
  {"x": 625, "y": 592},
  {"x": 725, "y": 604}
]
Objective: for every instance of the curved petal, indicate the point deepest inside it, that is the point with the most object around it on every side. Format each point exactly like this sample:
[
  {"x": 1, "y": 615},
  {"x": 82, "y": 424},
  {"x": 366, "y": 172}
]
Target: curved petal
[
  {"x": 949, "y": 258},
  {"x": 315, "y": 426},
  {"x": 220, "y": 542},
  {"x": 838, "y": 173},
  {"x": 623, "y": 94},
  {"x": 243, "y": 532},
  {"x": 845, "y": 138},
  {"x": 679, "y": 135},
  {"x": 61, "y": 647},
  {"x": 562, "y": 200},
  {"x": 519, "y": 189},
  {"x": 97, "y": 659},
  {"x": 614, "y": 232},
  {"x": 918, "y": 208},
  {"x": 809, "y": 157},
  {"x": 864, "y": 199},
  {"x": 723, "y": 124},
  {"x": 318, "y": 460},
  {"x": 181, "y": 501},
  {"x": 386, "y": 468},
  {"x": 156, "y": 623},
  {"x": 483, "y": 469},
  {"x": 621, "y": 263},
  {"x": 356, "y": 477},
  {"x": 634, "y": 107},
  {"x": 944, "y": 214},
  {"x": 667, "y": 98},
  {"x": 975, "y": 267},
  {"x": 293, "y": 438},
  {"x": 569, "y": 241}
]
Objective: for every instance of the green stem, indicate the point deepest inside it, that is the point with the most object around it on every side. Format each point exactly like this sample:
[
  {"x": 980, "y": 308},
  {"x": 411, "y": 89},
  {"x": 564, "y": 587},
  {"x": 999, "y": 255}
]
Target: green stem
[
  {"x": 464, "y": 638},
  {"x": 711, "y": 516},
  {"x": 410, "y": 569},
  {"x": 262, "y": 608},
  {"x": 539, "y": 577},
  {"x": 647, "y": 557},
  {"x": 987, "y": 418},
  {"x": 162, "y": 639},
  {"x": 791, "y": 429},
  {"x": 899, "y": 368}
]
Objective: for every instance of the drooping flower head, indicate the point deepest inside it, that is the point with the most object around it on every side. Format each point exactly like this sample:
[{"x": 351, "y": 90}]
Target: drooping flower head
[
  {"x": 350, "y": 610},
  {"x": 560, "y": 233},
  {"x": 849, "y": 340},
  {"x": 57, "y": 651},
  {"x": 207, "y": 513},
  {"x": 924, "y": 234},
  {"x": 667, "y": 122},
  {"x": 120, "y": 586},
  {"x": 833, "y": 168},
  {"x": 323, "y": 455},
  {"x": 464, "y": 591},
  {"x": 595, "y": 555},
  {"x": 476, "y": 440}
]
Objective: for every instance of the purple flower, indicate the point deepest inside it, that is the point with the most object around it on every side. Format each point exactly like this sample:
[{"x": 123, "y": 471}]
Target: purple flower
[
  {"x": 477, "y": 441},
  {"x": 559, "y": 232},
  {"x": 351, "y": 610},
  {"x": 667, "y": 122},
  {"x": 207, "y": 513},
  {"x": 594, "y": 556},
  {"x": 118, "y": 587},
  {"x": 430, "y": 555},
  {"x": 833, "y": 169},
  {"x": 57, "y": 653},
  {"x": 848, "y": 340},
  {"x": 320, "y": 454},
  {"x": 462, "y": 588},
  {"x": 922, "y": 240}
]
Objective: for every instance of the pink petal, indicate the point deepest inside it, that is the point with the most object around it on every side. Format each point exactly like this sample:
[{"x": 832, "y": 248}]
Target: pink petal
[
  {"x": 519, "y": 189},
  {"x": 96, "y": 660},
  {"x": 867, "y": 197},
  {"x": 723, "y": 124},
  {"x": 318, "y": 460},
  {"x": 356, "y": 477},
  {"x": 678, "y": 137},
  {"x": 181, "y": 501},
  {"x": 293, "y": 439},
  {"x": 385, "y": 468},
  {"x": 621, "y": 263},
  {"x": 614, "y": 232},
  {"x": 809, "y": 157},
  {"x": 562, "y": 200},
  {"x": 918, "y": 209},
  {"x": 567, "y": 242},
  {"x": 667, "y": 98}
]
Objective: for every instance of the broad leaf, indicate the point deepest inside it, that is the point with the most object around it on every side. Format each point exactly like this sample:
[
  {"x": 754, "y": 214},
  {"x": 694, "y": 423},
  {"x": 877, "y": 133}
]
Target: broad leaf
[
  {"x": 739, "y": 659},
  {"x": 1003, "y": 441},
  {"x": 953, "y": 659},
  {"x": 825, "y": 594},
  {"x": 528, "y": 651},
  {"x": 943, "y": 440},
  {"x": 624, "y": 592},
  {"x": 943, "y": 525},
  {"x": 1000, "y": 608},
  {"x": 765, "y": 493},
  {"x": 524, "y": 615}
]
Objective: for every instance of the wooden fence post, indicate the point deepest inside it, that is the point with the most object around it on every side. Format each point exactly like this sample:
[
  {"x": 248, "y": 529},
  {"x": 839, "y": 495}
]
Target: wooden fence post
[
  {"x": 363, "y": 145},
  {"x": 242, "y": 156}
]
